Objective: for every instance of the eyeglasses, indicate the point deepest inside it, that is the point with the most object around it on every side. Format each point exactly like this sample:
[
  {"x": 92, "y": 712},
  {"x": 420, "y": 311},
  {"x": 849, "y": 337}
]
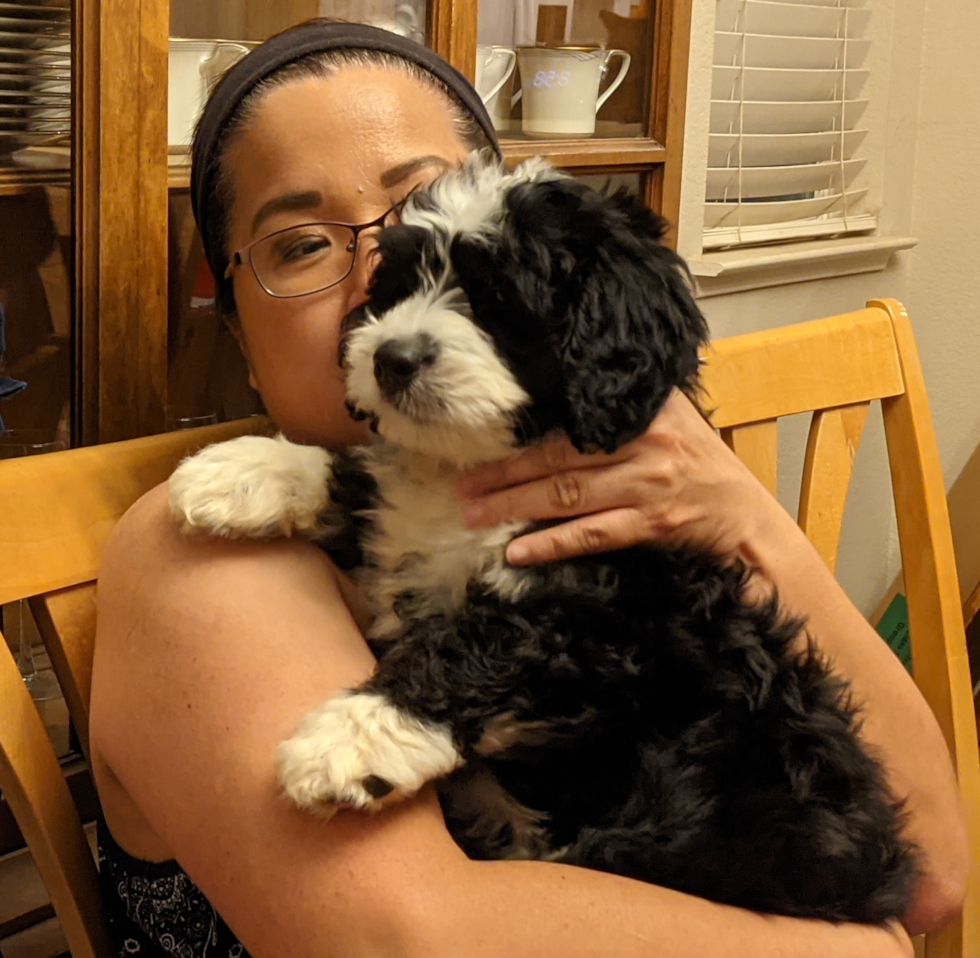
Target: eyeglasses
[{"x": 305, "y": 259}]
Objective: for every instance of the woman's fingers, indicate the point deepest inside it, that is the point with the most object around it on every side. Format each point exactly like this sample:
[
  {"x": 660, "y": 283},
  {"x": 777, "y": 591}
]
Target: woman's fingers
[
  {"x": 556, "y": 496},
  {"x": 603, "y": 532},
  {"x": 551, "y": 457}
]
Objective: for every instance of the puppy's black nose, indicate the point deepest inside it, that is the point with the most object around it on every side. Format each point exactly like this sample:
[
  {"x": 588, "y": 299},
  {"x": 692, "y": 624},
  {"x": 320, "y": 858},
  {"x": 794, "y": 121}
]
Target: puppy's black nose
[{"x": 398, "y": 361}]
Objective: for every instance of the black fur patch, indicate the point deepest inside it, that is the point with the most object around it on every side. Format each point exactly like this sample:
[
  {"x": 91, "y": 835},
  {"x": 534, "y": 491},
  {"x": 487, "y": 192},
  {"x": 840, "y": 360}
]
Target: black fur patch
[
  {"x": 353, "y": 491},
  {"x": 688, "y": 746}
]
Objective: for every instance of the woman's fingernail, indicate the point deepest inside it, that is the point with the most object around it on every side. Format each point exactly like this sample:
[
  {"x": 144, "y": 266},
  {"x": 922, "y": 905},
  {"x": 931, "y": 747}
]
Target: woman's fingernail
[
  {"x": 473, "y": 513},
  {"x": 517, "y": 553}
]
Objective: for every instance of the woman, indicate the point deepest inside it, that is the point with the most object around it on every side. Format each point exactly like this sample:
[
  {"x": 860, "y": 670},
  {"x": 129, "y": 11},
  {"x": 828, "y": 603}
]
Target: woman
[{"x": 209, "y": 652}]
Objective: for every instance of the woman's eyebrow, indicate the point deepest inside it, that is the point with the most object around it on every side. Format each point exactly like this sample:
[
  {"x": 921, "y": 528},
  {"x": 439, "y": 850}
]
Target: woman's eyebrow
[
  {"x": 396, "y": 174},
  {"x": 288, "y": 202}
]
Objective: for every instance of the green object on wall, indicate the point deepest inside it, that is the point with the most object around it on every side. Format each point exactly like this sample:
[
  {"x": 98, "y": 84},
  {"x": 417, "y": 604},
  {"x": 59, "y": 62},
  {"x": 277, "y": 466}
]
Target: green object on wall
[{"x": 894, "y": 629}]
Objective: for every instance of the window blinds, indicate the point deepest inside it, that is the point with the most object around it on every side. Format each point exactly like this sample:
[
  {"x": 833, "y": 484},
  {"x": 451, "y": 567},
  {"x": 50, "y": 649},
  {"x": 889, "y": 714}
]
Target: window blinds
[{"x": 785, "y": 145}]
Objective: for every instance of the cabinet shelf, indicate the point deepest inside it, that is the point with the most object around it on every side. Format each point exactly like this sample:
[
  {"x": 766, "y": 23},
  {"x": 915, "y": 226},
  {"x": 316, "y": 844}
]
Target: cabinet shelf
[{"x": 609, "y": 154}]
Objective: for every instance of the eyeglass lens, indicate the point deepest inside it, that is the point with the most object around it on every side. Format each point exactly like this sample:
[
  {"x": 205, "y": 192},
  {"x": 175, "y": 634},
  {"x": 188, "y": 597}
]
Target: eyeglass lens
[{"x": 304, "y": 259}]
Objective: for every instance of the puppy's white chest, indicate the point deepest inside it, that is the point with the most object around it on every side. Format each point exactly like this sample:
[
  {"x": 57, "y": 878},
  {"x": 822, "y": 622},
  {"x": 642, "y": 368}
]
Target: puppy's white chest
[{"x": 421, "y": 556}]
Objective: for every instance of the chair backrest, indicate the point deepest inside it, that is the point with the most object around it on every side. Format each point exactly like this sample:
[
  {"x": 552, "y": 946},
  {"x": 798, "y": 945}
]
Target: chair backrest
[
  {"x": 56, "y": 513},
  {"x": 834, "y": 368}
]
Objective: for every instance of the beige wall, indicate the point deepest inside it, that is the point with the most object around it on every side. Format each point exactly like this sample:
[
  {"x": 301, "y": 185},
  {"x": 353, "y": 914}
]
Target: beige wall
[{"x": 924, "y": 147}]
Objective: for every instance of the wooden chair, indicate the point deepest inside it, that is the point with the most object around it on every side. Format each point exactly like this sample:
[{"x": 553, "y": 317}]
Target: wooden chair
[
  {"x": 56, "y": 512},
  {"x": 835, "y": 368}
]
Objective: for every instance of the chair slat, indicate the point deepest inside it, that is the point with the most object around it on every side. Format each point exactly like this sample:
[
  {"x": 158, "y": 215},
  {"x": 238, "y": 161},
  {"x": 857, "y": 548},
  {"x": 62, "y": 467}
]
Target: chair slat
[
  {"x": 833, "y": 362},
  {"x": 33, "y": 784},
  {"x": 756, "y": 445},
  {"x": 57, "y": 511},
  {"x": 939, "y": 655},
  {"x": 830, "y": 449},
  {"x": 66, "y": 621}
]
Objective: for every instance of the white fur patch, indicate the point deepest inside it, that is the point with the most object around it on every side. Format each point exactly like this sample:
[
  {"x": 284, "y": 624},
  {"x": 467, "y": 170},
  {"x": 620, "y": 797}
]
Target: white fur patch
[
  {"x": 420, "y": 544},
  {"x": 251, "y": 487},
  {"x": 470, "y": 201},
  {"x": 460, "y": 408},
  {"x": 353, "y": 736}
]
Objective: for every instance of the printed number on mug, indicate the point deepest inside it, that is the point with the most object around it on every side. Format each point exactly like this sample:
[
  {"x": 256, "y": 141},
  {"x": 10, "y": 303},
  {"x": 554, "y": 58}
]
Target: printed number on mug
[{"x": 552, "y": 78}]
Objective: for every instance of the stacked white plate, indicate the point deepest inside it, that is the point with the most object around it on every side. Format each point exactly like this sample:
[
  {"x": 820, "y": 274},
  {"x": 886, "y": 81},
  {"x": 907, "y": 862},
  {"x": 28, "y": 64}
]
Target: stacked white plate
[{"x": 35, "y": 73}]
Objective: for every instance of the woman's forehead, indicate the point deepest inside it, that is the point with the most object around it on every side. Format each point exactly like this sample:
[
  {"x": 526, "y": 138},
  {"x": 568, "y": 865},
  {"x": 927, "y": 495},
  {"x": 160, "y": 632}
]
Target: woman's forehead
[{"x": 339, "y": 136}]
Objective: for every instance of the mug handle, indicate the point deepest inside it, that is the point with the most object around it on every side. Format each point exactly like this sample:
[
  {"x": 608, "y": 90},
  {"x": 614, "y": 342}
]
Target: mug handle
[
  {"x": 619, "y": 79},
  {"x": 510, "y": 72},
  {"x": 224, "y": 56}
]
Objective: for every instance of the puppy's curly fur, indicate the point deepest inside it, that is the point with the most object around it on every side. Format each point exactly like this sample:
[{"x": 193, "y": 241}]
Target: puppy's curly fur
[{"x": 629, "y": 712}]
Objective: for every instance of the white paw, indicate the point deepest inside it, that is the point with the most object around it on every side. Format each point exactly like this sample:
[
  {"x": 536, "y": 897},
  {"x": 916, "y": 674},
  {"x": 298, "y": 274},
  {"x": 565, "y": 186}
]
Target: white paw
[
  {"x": 358, "y": 750},
  {"x": 251, "y": 487}
]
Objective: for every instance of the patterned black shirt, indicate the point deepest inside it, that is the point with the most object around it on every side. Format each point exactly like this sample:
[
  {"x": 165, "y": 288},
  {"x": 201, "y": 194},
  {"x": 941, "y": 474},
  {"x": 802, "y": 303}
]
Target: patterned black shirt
[{"x": 154, "y": 910}]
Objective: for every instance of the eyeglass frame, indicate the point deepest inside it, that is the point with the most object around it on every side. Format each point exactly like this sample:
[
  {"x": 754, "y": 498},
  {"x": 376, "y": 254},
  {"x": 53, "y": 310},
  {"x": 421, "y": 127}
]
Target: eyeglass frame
[{"x": 244, "y": 255}]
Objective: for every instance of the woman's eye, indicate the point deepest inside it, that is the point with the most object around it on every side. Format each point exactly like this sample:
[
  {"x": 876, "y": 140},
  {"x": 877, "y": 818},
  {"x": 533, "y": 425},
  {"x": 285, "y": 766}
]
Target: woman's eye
[{"x": 298, "y": 249}]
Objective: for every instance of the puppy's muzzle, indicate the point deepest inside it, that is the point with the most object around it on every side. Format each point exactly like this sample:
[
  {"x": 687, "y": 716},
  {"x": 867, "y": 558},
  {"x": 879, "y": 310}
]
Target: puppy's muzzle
[{"x": 398, "y": 363}]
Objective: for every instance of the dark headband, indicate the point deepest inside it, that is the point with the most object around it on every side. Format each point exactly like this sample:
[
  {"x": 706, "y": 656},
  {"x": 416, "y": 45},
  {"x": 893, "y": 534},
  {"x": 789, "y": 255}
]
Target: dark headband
[{"x": 314, "y": 36}]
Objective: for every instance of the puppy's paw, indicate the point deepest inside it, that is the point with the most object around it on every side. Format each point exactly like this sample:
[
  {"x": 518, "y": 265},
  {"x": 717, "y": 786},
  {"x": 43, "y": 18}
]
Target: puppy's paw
[
  {"x": 251, "y": 487},
  {"x": 358, "y": 750}
]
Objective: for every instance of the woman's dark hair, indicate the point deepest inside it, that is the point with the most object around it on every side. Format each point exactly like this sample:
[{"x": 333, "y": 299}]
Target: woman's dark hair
[{"x": 319, "y": 65}]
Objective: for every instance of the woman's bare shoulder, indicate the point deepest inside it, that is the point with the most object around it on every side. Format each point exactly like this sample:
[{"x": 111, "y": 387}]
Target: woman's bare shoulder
[{"x": 207, "y": 655}]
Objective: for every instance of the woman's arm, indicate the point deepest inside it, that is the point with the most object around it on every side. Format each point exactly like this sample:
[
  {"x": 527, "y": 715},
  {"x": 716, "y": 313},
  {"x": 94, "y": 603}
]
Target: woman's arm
[
  {"x": 680, "y": 484},
  {"x": 208, "y": 653}
]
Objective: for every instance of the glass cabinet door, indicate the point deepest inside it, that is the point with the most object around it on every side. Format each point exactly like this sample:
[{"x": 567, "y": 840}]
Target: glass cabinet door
[
  {"x": 207, "y": 379},
  {"x": 571, "y": 70},
  {"x": 36, "y": 325}
]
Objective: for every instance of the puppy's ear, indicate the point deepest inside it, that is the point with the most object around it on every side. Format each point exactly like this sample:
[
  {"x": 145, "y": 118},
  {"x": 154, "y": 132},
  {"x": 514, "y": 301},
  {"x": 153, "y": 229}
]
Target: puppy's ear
[{"x": 629, "y": 330}]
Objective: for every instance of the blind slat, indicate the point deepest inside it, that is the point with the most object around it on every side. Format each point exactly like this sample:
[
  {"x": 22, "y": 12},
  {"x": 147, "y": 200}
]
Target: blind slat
[
  {"x": 757, "y": 182},
  {"x": 820, "y": 116},
  {"x": 765, "y": 85},
  {"x": 790, "y": 19},
  {"x": 850, "y": 4},
  {"x": 781, "y": 149},
  {"x": 759, "y": 214},
  {"x": 830, "y": 226},
  {"x": 807, "y": 53}
]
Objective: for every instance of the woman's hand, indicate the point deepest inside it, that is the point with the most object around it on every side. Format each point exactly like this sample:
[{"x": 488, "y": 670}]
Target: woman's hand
[{"x": 676, "y": 484}]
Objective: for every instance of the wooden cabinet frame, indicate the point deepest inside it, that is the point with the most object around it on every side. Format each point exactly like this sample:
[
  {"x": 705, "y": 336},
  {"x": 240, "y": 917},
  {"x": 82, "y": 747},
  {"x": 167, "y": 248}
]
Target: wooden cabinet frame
[{"x": 122, "y": 181}]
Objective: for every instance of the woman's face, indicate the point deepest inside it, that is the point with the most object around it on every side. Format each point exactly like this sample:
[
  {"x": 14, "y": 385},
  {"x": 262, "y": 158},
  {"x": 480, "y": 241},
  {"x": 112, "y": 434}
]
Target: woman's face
[{"x": 340, "y": 150}]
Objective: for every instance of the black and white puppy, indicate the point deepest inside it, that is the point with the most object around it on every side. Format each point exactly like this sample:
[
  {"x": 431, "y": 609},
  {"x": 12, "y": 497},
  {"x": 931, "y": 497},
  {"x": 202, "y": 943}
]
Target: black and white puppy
[{"x": 628, "y": 712}]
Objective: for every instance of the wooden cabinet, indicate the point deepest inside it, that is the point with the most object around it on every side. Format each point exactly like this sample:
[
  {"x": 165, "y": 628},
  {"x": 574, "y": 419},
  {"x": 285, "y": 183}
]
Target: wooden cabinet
[{"x": 108, "y": 319}]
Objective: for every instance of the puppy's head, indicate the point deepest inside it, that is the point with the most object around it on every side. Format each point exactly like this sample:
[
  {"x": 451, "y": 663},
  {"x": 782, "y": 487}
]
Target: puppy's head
[{"x": 510, "y": 305}]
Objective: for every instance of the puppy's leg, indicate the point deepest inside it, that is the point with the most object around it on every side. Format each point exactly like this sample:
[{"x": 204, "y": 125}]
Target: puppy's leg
[
  {"x": 357, "y": 749},
  {"x": 486, "y": 821},
  {"x": 252, "y": 487},
  {"x": 449, "y": 687}
]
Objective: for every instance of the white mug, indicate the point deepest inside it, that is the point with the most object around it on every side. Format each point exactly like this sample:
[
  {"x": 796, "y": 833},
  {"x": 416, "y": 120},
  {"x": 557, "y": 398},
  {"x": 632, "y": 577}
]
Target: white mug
[
  {"x": 494, "y": 67},
  {"x": 560, "y": 88},
  {"x": 195, "y": 66}
]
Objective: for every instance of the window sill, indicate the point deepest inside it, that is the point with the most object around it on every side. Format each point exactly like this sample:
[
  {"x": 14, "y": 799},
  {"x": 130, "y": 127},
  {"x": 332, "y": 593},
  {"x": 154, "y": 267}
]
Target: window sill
[{"x": 739, "y": 270}]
